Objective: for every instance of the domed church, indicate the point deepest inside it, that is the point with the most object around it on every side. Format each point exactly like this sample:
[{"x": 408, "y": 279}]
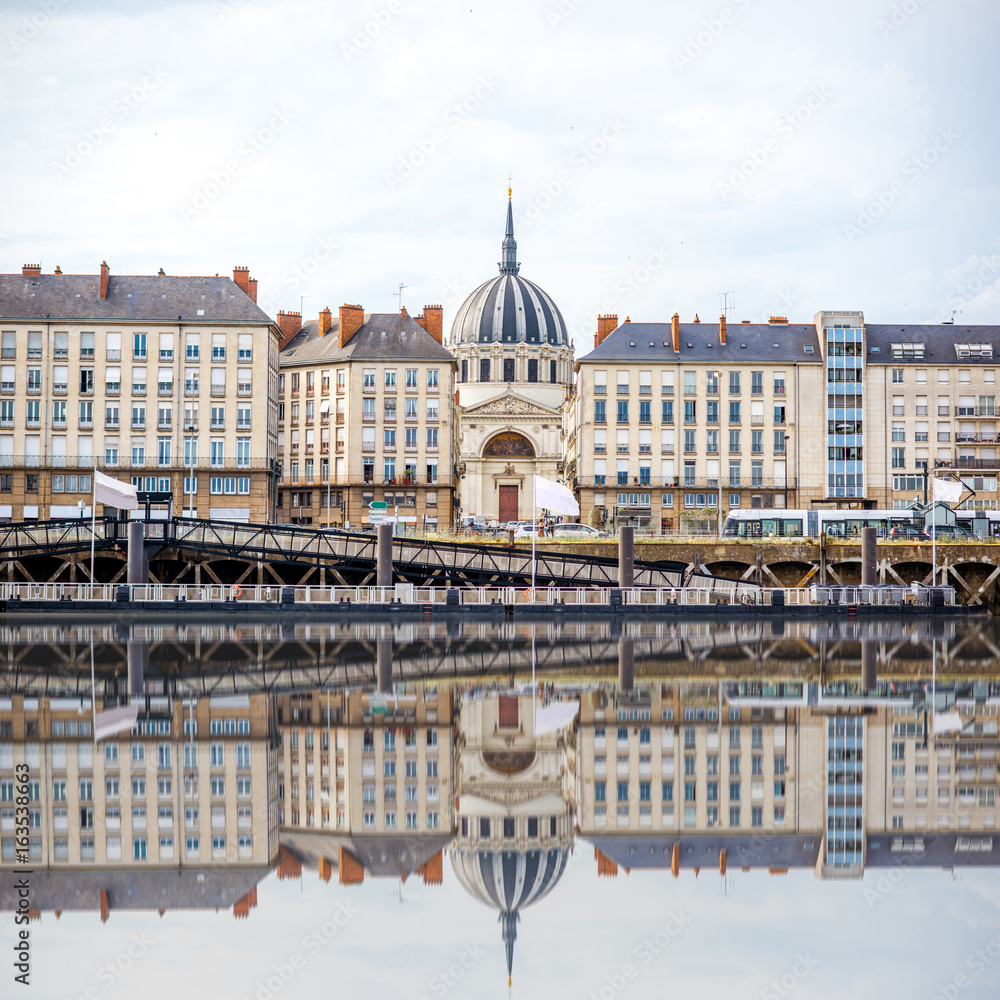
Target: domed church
[{"x": 515, "y": 364}]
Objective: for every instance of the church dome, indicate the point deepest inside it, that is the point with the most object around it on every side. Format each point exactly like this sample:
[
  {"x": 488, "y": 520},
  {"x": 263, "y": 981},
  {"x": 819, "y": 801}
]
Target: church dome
[
  {"x": 509, "y": 880},
  {"x": 509, "y": 309}
]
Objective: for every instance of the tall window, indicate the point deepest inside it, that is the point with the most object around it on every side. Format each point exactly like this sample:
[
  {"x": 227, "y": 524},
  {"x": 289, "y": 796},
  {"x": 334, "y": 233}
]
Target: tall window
[
  {"x": 532, "y": 369},
  {"x": 508, "y": 369},
  {"x": 484, "y": 369}
]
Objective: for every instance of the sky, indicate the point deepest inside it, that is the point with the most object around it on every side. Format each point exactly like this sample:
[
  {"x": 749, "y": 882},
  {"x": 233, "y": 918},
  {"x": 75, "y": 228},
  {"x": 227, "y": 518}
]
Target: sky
[
  {"x": 794, "y": 156},
  {"x": 895, "y": 933}
]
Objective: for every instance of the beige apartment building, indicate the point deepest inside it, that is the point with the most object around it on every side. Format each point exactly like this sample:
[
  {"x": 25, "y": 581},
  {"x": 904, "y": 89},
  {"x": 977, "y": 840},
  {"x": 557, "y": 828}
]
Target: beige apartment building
[
  {"x": 366, "y": 414},
  {"x": 362, "y": 765},
  {"x": 674, "y": 424},
  {"x": 931, "y": 407},
  {"x": 169, "y": 383},
  {"x": 193, "y": 786}
]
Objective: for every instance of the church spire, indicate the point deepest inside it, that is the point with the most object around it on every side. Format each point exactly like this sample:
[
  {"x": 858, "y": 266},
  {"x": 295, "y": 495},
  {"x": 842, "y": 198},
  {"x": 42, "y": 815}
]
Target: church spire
[
  {"x": 509, "y": 934},
  {"x": 509, "y": 264}
]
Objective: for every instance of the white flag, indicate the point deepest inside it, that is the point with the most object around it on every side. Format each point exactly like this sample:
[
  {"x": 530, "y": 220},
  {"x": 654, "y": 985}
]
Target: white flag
[
  {"x": 555, "y": 716},
  {"x": 117, "y": 720},
  {"x": 946, "y": 722},
  {"x": 115, "y": 493},
  {"x": 552, "y": 496},
  {"x": 947, "y": 491}
]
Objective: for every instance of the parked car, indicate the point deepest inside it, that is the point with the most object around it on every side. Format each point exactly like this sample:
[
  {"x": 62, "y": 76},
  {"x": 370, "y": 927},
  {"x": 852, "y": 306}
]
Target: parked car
[
  {"x": 524, "y": 529},
  {"x": 908, "y": 532},
  {"x": 948, "y": 532},
  {"x": 570, "y": 529}
]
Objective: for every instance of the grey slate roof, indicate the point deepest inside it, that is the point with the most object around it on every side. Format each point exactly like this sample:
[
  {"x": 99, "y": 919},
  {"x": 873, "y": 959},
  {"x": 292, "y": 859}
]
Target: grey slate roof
[
  {"x": 939, "y": 342},
  {"x": 383, "y": 337},
  {"x": 744, "y": 342},
  {"x": 76, "y": 298},
  {"x": 701, "y": 850},
  {"x": 134, "y": 888},
  {"x": 939, "y": 851},
  {"x": 382, "y": 856}
]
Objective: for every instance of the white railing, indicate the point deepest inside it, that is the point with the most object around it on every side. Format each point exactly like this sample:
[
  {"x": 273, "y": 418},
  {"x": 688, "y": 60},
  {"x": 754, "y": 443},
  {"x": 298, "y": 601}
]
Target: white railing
[{"x": 730, "y": 592}]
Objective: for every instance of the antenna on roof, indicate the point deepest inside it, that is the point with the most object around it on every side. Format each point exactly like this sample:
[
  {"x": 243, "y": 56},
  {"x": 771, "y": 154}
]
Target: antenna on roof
[
  {"x": 727, "y": 302},
  {"x": 399, "y": 296}
]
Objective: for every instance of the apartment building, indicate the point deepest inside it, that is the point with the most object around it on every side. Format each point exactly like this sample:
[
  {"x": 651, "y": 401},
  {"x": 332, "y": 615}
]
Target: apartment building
[
  {"x": 360, "y": 765},
  {"x": 676, "y": 758},
  {"x": 366, "y": 414},
  {"x": 193, "y": 786},
  {"x": 703, "y": 418},
  {"x": 167, "y": 382},
  {"x": 931, "y": 395}
]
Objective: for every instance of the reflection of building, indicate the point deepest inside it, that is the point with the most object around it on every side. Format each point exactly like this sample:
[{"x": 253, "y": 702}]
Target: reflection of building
[
  {"x": 365, "y": 414},
  {"x": 169, "y": 382},
  {"x": 515, "y": 362},
  {"x": 835, "y": 779},
  {"x": 381, "y": 802},
  {"x": 515, "y": 814},
  {"x": 192, "y": 789}
]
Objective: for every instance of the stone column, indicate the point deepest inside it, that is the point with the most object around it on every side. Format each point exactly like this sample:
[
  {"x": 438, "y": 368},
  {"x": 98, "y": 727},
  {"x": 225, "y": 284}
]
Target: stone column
[
  {"x": 626, "y": 558},
  {"x": 138, "y": 566},
  {"x": 383, "y": 575},
  {"x": 138, "y": 660},
  {"x": 384, "y": 665},
  {"x": 869, "y": 654},
  {"x": 868, "y": 575}
]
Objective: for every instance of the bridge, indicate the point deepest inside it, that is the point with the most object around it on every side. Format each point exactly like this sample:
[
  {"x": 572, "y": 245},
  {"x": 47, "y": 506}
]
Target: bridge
[{"x": 194, "y": 551}]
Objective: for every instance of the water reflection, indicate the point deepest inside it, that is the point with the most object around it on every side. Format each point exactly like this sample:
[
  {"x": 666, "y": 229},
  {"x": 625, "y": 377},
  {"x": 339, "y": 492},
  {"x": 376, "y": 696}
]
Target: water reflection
[{"x": 364, "y": 751}]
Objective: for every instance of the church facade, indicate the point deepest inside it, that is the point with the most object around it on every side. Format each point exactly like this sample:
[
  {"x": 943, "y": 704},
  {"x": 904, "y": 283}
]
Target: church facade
[{"x": 515, "y": 366}]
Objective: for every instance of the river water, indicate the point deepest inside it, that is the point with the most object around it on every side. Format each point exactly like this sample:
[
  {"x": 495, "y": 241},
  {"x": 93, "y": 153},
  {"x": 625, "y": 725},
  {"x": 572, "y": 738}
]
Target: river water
[{"x": 470, "y": 808}]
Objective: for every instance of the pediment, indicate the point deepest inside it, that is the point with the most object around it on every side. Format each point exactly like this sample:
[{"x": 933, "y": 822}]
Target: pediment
[{"x": 511, "y": 404}]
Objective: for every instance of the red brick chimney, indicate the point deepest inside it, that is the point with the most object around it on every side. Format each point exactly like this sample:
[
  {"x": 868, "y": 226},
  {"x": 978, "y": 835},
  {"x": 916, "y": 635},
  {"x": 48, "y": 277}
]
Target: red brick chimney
[
  {"x": 402, "y": 312},
  {"x": 605, "y": 326},
  {"x": 325, "y": 322},
  {"x": 722, "y": 329},
  {"x": 241, "y": 275},
  {"x": 105, "y": 273},
  {"x": 432, "y": 320},
  {"x": 289, "y": 324},
  {"x": 675, "y": 331},
  {"x": 58, "y": 270},
  {"x": 352, "y": 318},
  {"x": 252, "y": 290},
  {"x": 31, "y": 269}
]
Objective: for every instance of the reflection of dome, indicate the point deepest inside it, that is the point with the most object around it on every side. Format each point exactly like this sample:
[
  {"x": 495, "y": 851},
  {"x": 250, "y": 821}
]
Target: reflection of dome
[
  {"x": 509, "y": 309},
  {"x": 508, "y": 880}
]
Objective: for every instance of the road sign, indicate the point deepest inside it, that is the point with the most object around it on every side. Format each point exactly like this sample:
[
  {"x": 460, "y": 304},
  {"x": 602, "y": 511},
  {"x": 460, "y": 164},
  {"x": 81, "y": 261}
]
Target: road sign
[{"x": 377, "y": 505}]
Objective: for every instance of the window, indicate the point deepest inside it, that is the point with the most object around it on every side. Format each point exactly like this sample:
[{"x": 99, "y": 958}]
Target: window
[
  {"x": 600, "y": 411},
  {"x": 484, "y": 369},
  {"x": 622, "y": 411},
  {"x": 899, "y": 458}
]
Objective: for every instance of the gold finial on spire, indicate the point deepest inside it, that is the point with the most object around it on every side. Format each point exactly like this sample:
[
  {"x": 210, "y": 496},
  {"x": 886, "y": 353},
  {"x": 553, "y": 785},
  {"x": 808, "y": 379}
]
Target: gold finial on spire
[{"x": 510, "y": 181}]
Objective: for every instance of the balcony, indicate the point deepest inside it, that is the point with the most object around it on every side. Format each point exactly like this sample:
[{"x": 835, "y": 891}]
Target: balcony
[
  {"x": 6, "y": 421},
  {"x": 599, "y": 449},
  {"x": 218, "y": 390},
  {"x": 190, "y": 423},
  {"x": 165, "y": 388},
  {"x": 33, "y": 390},
  {"x": 111, "y": 424},
  {"x": 943, "y": 435},
  {"x": 599, "y": 390},
  {"x": 645, "y": 390},
  {"x": 756, "y": 420},
  {"x": 191, "y": 389},
  {"x": 32, "y": 424},
  {"x": 164, "y": 423},
  {"x": 111, "y": 355},
  {"x": 622, "y": 389},
  {"x": 138, "y": 425},
  {"x": 622, "y": 449},
  {"x": 110, "y": 388},
  {"x": 597, "y": 420},
  {"x": 86, "y": 424},
  {"x": 8, "y": 352},
  {"x": 756, "y": 390},
  {"x": 243, "y": 389},
  {"x": 964, "y": 437},
  {"x": 241, "y": 425},
  {"x": 59, "y": 423},
  {"x": 645, "y": 449},
  {"x": 667, "y": 449},
  {"x": 217, "y": 425},
  {"x": 138, "y": 389},
  {"x": 779, "y": 390},
  {"x": 368, "y": 446},
  {"x": 59, "y": 388}
]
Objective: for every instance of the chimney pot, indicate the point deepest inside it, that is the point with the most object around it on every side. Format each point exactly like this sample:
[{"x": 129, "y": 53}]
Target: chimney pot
[
  {"x": 31, "y": 269},
  {"x": 675, "y": 331},
  {"x": 352, "y": 318},
  {"x": 432, "y": 320},
  {"x": 325, "y": 322},
  {"x": 722, "y": 329},
  {"x": 105, "y": 275}
]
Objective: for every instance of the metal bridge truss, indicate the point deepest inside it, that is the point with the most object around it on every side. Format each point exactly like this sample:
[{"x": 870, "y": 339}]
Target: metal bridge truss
[{"x": 291, "y": 554}]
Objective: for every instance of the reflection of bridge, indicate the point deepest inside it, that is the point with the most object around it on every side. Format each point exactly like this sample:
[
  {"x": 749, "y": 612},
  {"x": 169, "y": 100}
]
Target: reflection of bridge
[
  {"x": 184, "y": 550},
  {"x": 298, "y": 656}
]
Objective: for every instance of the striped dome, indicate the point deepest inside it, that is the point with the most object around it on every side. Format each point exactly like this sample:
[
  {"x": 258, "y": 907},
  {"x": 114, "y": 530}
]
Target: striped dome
[
  {"x": 509, "y": 309},
  {"x": 509, "y": 880}
]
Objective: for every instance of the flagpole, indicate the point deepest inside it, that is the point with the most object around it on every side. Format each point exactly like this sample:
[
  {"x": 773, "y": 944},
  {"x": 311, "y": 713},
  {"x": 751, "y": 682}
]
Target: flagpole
[
  {"x": 534, "y": 534},
  {"x": 93, "y": 685},
  {"x": 933, "y": 547},
  {"x": 93, "y": 534}
]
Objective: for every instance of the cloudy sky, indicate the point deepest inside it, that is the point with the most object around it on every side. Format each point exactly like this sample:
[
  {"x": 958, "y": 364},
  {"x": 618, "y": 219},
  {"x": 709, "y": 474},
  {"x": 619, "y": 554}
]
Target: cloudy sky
[{"x": 796, "y": 156}]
